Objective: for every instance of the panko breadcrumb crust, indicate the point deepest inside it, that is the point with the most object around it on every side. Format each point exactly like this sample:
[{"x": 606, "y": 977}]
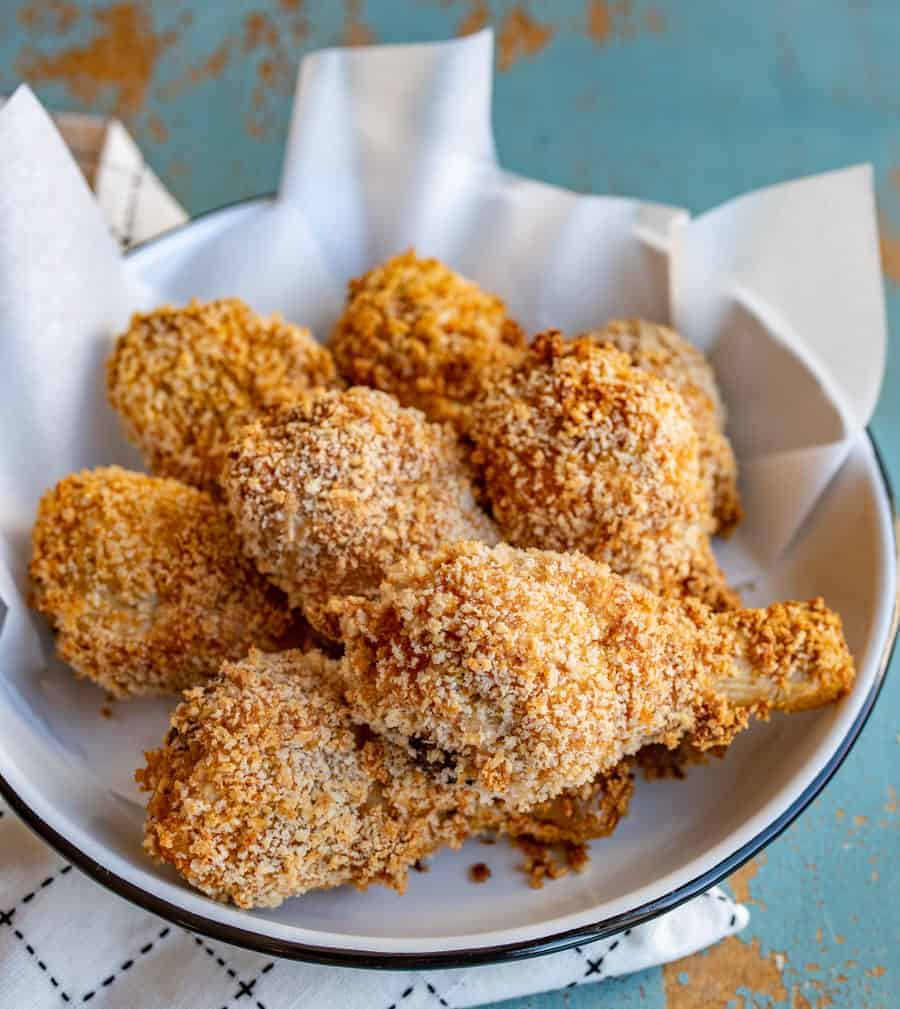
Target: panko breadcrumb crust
[
  {"x": 184, "y": 380},
  {"x": 535, "y": 671},
  {"x": 331, "y": 492},
  {"x": 264, "y": 788},
  {"x": 581, "y": 451},
  {"x": 415, "y": 328},
  {"x": 664, "y": 353},
  {"x": 145, "y": 583}
]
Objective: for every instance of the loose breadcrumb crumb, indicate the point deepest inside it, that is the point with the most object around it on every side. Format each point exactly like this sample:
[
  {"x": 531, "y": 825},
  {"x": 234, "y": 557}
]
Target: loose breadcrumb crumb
[
  {"x": 144, "y": 580},
  {"x": 184, "y": 380},
  {"x": 414, "y": 328}
]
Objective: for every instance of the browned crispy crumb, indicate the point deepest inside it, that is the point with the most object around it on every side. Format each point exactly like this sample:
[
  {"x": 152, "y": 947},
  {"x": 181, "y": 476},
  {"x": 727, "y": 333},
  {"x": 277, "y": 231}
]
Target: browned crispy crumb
[
  {"x": 414, "y": 328},
  {"x": 106, "y": 711},
  {"x": 533, "y": 671},
  {"x": 582, "y": 814},
  {"x": 661, "y": 351},
  {"x": 144, "y": 581},
  {"x": 329, "y": 493},
  {"x": 420, "y": 866},
  {"x": 264, "y": 788},
  {"x": 581, "y": 451},
  {"x": 545, "y": 860},
  {"x": 479, "y": 873},
  {"x": 186, "y": 379}
]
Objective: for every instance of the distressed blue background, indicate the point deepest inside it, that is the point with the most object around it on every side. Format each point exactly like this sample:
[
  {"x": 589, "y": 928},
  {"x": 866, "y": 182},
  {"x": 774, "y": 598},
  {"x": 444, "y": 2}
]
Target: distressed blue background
[{"x": 687, "y": 103}]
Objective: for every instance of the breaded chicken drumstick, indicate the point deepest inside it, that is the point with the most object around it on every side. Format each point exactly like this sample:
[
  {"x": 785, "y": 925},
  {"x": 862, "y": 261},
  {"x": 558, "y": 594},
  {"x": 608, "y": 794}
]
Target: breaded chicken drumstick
[
  {"x": 664, "y": 353},
  {"x": 414, "y": 328},
  {"x": 329, "y": 493},
  {"x": 264, "y": 788},
  {"x": 535, "y": 671},
  {"x": 145, "y": 583},
  {"x": 184, "y": 380},
  {"x": 581, "y": 451}
]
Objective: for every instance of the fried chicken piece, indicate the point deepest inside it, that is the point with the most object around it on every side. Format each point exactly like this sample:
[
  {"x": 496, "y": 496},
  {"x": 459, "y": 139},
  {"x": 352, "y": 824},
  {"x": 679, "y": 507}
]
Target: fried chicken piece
[
  {"x": 536, "y": 671},
  {"x": 332, "y": 491},
  {"x": 145, "y": 583},
  {"x": 664, "y": 353},
  {"x": 414, "y": 328},
  {"x": 184, "y": 380},
  {"x": 264, "y": 789},
  {"x": 581, "y": 451}
]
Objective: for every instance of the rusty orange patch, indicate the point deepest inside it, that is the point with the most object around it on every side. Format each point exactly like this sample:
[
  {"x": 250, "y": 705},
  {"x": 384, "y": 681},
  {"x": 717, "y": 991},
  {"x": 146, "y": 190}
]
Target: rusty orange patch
[
  {"x": 121, "y": 57},
  {"x": 57, "y": 16},
  {"x": 356, "y": 31},
  {"x": 718, "y": 975},
  {"x": 739, "y": 881},
  {"x": 890, "y": 252},
  {"x": 475, "y": 20},
  {"x": 157, "y": 129},
  {"x": 520, "y": 36}
]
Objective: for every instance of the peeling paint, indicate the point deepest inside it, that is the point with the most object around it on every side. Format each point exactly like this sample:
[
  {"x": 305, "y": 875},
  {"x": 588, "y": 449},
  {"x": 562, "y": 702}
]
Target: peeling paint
[
  {"x": 889, "y": 243},
  {"x": 56, "y": 16},
  {"x": 739, "y": 881},
  {"x": 731, "y": 975},
  {"x": 477, "y": 18},
  {"x": 356, "y": 31},
  {"x": 520, "y": 36},
  {"x": 606, "y": 21},
  {"x": 891, "y": 804},
  {"x": 157, "y": 129},
  {"x": 121, "y": 57}
]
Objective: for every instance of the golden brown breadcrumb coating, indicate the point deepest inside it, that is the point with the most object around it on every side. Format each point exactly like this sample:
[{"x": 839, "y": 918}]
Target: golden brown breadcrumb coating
[
  {"x": 581, "y": 451},
  {"x": 663, "y": 352},
  {"x": 184, "y": 380},
  {"x": 329, "y": 493},
  {"x": 144, "y": 580},
  {"x": 264, "y": 789},
  {"x": 536, "y": 671},
  {"x": 434, "y": 339}
]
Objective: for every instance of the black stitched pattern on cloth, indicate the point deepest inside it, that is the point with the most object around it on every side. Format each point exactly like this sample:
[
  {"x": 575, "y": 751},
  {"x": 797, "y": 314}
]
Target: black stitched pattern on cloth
[
  {"x": 6, "y": 918},
  {"x": 403, "y": 995},
  {"x": 434, "y": 992},
  {"x": 126, "y": 965}
]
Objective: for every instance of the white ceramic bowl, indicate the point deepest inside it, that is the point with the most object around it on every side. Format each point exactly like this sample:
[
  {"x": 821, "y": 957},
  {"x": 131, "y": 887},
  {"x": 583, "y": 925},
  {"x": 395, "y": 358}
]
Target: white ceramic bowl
[{"x": 67, "y": 771}]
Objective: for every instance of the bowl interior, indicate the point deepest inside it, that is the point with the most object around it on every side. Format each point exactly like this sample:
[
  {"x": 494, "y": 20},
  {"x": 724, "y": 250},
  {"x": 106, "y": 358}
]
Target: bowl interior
[{"x": 73, "y": 765}]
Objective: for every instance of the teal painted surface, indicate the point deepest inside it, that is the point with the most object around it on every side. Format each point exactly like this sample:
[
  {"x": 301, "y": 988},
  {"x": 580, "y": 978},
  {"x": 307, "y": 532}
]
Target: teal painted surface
[{"x": 686, "y": 103}]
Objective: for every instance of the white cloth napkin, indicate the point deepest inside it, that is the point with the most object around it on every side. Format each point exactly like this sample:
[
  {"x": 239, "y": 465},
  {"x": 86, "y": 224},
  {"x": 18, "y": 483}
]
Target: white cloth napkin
[{"x": 66, "y": 940}]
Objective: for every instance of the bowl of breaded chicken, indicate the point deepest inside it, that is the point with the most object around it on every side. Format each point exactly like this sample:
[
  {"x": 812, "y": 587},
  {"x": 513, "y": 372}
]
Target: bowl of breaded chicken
[{"x": 409, "y": 644}]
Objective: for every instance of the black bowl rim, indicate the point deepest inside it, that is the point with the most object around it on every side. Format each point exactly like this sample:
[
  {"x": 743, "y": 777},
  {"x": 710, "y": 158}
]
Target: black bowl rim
[{"x": 478, "y": 955}]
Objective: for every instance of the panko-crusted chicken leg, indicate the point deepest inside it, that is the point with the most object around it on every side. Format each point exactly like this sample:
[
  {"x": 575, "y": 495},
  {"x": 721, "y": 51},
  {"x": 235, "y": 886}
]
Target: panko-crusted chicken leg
[
  {"x": 145, "y": 583},
  {"x": 331, "y": 492},
  {"x": 265, "y": 788},
  {"x": 535, "y": 671},
  {"x": 580, "y": 450}
]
